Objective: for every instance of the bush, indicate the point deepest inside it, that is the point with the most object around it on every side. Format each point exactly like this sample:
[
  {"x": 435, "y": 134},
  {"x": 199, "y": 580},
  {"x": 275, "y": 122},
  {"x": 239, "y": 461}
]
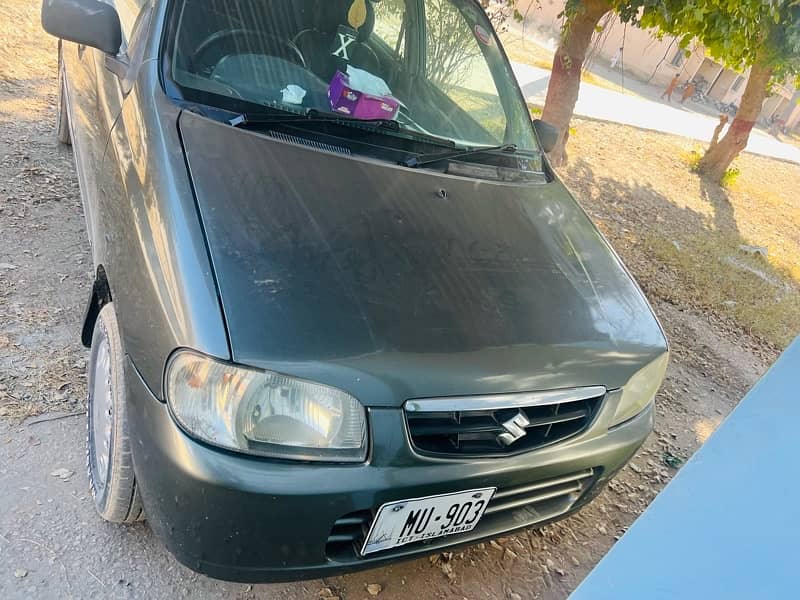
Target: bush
[{"x": 729, "y": 177}]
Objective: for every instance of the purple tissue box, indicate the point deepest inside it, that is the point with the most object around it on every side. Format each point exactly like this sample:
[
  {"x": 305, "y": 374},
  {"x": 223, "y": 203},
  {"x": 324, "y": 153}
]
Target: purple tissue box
[{"x": 348, "y": 101}]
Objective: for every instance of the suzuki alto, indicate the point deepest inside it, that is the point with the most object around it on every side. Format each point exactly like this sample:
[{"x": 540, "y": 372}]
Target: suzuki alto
[{"x": 343, "y": 312}]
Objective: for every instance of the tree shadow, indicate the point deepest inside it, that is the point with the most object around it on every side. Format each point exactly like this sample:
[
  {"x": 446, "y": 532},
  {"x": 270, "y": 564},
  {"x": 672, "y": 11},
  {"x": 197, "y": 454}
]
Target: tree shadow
[
  {"x": 689, "y": 256},
  {"x": 652, "y": 204},
  {"x": 717, "y": 197}
]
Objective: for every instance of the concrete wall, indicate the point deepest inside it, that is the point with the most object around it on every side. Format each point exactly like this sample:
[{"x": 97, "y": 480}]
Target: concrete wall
[
  {"x": 542, "y": 16},
  {"x": 792, "y": 114},
  {"x": 735, "y": 95},
  {"x": 645, "y": 56},
  {"x": 719, "y": 91},
  {"x": 774, "y": 105}
]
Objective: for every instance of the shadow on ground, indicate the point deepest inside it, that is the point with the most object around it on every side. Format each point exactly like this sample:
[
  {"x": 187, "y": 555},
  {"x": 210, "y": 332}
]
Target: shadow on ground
[{"x": 691, "y": 258}]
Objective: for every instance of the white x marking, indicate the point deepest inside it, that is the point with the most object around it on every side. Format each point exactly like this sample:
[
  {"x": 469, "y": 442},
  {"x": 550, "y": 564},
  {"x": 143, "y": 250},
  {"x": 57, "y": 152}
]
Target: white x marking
[{"x": 344, "y": 41}]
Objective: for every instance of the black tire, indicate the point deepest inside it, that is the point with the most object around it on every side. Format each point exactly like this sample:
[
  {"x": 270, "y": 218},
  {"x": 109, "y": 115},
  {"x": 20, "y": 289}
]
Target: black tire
[
  {"x": 62, "y": 117},
  {"x": 111, "y": 477}
]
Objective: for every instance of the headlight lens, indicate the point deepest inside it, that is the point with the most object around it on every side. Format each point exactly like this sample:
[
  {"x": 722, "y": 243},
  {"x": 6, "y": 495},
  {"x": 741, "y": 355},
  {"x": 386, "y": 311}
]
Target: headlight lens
[
  {"x": 641, "y": 389},
  {"x": 264, "y": 413}
]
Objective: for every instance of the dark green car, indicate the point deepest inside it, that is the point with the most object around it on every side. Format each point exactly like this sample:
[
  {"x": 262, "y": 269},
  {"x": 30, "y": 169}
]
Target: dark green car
[{"x": 344, "y": 312}]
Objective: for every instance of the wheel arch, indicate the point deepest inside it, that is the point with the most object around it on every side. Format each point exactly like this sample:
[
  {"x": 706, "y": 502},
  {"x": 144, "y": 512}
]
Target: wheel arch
[{"x": 101, "y": 295}]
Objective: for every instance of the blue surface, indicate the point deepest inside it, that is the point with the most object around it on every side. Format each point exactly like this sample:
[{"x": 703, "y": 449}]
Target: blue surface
[{"x": 728, "y": 525}]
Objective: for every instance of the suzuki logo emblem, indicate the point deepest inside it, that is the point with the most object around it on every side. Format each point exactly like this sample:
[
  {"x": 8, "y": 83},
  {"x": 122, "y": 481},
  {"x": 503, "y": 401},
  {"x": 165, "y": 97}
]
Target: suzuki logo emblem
[{"x": 514, "y": 429}]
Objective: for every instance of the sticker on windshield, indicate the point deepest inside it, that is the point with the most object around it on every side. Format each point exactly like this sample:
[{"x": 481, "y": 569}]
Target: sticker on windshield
[{"x": 483, "y": 35}]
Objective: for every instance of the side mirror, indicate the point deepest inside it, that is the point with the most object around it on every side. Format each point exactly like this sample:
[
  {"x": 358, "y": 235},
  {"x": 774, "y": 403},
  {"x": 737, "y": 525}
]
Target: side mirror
[
  {"x": 547, "y": 134},
  {"x": 88, "y": 22}
]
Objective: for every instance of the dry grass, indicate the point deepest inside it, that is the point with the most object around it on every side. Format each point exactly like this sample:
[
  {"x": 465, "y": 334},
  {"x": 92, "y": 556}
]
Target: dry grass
[
  {"x": 681, "y": 234},
  {"x": 593, "y": 79},
  {"x": 20, "y": 59},
  {"x": 693, "y": 157},
  {"x": 717, "y": 277},
  {"x": 526, "y": 51}
]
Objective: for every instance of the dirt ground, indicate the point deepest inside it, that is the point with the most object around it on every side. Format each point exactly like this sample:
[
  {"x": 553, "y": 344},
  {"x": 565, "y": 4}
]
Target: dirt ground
[{"x": 52, "y": 544}]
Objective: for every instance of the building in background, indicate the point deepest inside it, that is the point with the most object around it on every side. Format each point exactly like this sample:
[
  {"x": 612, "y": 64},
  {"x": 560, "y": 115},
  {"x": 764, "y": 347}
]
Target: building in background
[{"x": 656, "y": 61}]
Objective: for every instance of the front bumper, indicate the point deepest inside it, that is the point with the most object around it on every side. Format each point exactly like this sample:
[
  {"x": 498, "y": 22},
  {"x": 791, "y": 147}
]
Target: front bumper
[{"x": 251, "y": 519}]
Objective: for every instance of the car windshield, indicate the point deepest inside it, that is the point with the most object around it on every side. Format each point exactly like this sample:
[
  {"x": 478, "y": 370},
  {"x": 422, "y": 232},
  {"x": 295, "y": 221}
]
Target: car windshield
[{"x": 433, "y": 66}]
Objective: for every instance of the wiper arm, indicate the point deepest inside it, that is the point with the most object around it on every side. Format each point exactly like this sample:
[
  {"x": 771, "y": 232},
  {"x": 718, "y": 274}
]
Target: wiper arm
[
  {"x": 278, "y": 116},
  {"x": 426, "y": 159},
  {"x": 314, "y": 116},
  {"x": 310, "y": 116}
]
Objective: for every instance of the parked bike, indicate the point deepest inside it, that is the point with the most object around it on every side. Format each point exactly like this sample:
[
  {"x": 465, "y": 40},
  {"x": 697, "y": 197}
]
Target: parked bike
[{"x": 700, "y": 87}]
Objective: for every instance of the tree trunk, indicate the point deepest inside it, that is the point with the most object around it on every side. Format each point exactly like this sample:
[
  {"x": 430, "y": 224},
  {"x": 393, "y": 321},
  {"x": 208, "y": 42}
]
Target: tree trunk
[
  {"x": 723, "y": 120},
  {"x": 565, "y": 78},
  {"x": 719, "y": 156}
]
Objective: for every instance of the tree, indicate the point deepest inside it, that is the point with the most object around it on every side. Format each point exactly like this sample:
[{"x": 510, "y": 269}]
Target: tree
[
  {"x": 450, "y": 46},
  {"x": 500, "y": 12},
  {"x": 581, "y": 22},
  {"x": 761, "y": 34}
]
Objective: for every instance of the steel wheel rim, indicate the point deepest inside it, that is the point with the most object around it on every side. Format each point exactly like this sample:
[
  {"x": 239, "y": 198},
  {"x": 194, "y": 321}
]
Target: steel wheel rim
[{"x": 102, "y": 412}]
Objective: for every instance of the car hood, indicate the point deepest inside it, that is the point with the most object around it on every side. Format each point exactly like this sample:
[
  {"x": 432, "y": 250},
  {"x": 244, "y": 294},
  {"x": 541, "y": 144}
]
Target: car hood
[{"x": 396, "y": 283}]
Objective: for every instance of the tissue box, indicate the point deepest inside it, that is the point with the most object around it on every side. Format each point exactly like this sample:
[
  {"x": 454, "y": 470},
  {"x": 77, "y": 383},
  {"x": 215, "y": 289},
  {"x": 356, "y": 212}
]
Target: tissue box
[{"x": 348, "y": 101}]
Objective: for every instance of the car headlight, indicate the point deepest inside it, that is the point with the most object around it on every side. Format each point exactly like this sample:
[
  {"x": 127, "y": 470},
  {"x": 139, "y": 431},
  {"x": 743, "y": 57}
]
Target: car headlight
[
  {"x": 641, "y": 389},
  {"x": 264, "y": 413}
]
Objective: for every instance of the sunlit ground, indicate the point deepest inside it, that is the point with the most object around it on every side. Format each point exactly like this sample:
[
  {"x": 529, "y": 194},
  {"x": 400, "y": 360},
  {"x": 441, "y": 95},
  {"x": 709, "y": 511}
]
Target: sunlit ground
[
  {"x": 12, "y": 108},
  {"x": 703, "y": 428}
]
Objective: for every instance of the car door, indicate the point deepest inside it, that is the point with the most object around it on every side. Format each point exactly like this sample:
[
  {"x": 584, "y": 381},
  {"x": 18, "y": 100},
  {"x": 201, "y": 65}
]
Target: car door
[
  {"x": 87, "y": 133},
  {"x": 94, "y": 103},
  {"x": 114, "y": 84}
]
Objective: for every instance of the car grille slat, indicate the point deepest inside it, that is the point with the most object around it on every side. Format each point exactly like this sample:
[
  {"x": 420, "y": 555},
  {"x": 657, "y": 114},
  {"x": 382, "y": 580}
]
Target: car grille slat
[
  {"x": 345, "y": 521},
  {"x": 350, "y": 528},
  {"x": 542, "y": 484},
  {"x": 540, "y": 501},
  {"x": 564, "y": 491},
  {"x": 425, "y": 429},
  {"x": 490, "y": 432},
  {"x": 341, "y": 537}
]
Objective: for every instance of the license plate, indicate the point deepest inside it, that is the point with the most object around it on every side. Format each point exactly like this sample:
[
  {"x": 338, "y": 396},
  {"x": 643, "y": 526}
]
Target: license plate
[{"x": 406, "y": 521}]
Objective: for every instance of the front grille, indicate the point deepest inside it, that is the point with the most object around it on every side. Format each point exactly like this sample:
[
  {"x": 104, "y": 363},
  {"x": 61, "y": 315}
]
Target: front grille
[
  {"x": 348, "y": 535},
  {"x": 498, "y": 431},
  {"x": 509, "y": 508}
]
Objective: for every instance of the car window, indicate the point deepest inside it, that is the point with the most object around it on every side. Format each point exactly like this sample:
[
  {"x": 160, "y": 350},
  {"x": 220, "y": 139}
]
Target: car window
[
  {"x": 455, "y": 64},
  {"x": 390, "y": 25},
  {"x": 434, "y": 66}
]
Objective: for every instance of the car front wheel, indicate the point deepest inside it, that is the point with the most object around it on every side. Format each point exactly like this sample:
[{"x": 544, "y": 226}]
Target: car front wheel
[{"x": 111, "y": 477}]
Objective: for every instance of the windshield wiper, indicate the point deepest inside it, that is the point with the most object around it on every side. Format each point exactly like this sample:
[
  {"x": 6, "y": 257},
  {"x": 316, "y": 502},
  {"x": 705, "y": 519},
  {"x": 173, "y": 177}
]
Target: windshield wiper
[
  {"x": 310, "y": 116},
  {"x": 277, "y": 116},
  {"x": 427, "y": 159},
  {"x": 315, "y": 116}
]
